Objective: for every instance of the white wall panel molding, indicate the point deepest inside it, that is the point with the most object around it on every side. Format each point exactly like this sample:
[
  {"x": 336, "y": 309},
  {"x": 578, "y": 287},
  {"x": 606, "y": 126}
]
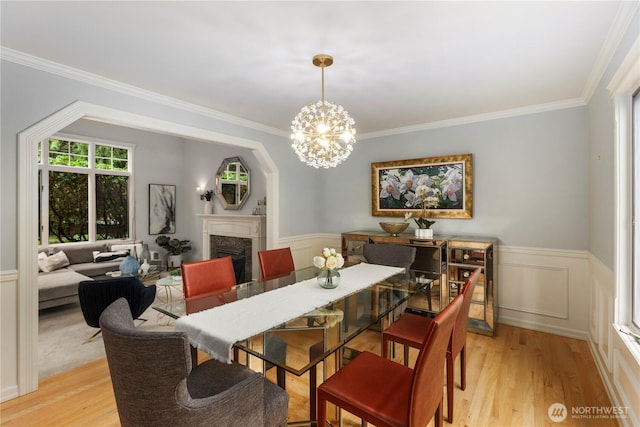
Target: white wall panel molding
[
  {"x": 305, "y": 247},
  {"x": 8, "y": 276},
  {"x": 544, "y": 290},
  {"x": 619, "y": 369},
  {"x": 8, "y": 331},
  {"x": 535, "y": 284},
  {"x": 627, "y": 382}
]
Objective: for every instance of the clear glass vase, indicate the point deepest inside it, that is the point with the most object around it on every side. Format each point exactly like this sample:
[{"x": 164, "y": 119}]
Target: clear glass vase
[{"x": 329, "y": 279}]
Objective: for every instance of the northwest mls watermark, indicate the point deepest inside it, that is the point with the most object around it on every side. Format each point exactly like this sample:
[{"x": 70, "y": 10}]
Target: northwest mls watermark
[{"x": 558, "y": 412}]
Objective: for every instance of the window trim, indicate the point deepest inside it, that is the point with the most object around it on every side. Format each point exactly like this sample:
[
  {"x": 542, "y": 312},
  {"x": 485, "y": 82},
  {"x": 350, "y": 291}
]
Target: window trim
[
  {"x": 624, "y": 84},
  {"x": 44, "y": 167}
]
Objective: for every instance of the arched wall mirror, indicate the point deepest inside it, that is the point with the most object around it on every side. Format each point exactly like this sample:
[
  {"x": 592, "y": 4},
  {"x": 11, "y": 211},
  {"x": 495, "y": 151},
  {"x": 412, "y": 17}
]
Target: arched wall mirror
[{"x": 232, "y": 183}]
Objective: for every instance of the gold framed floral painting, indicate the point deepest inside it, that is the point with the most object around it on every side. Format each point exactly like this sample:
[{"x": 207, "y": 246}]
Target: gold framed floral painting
[{"x": 432, "y": 187}]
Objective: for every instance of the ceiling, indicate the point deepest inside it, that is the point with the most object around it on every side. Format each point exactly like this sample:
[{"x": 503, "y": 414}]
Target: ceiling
[{"x": 397, "y": 64}]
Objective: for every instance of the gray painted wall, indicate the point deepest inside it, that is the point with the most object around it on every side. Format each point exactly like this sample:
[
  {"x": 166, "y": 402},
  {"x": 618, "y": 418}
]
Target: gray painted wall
[{"x": 529, "y": 176}]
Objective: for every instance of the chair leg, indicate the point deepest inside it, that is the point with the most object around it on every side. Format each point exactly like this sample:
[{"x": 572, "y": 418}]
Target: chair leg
[
  {"x": 438, "y": 420},
  {"x": 313, "y": 386},
  {"x": 92, "y": 337},
  {"x": 385, "y": 346},
  {"x": 406, "y": 355},
  {"x": 463, "y": 368},
  {"x": 450, "y": 381},
  {"x": 322, "y": 411}
]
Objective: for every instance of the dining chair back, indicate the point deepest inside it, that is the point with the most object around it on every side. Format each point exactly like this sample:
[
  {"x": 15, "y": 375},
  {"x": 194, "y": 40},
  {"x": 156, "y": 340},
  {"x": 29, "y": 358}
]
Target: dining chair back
[
  {"x": 210, "y": 275},
  {"x": 392, "y": 255},
  {"x": 155, "y": 382},
  {"x": 386, "y": 393},
  {"x": 275, "y": 263},
  {"x": 458, "y": 345},
  {"x": 410, "y": 330},
  {"x": 389, "y": 254},
  {"x": 425, "y": 399}
]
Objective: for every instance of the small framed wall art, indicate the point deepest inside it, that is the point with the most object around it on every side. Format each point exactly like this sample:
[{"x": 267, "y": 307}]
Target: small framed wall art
[{"x": 162, "y": 209}]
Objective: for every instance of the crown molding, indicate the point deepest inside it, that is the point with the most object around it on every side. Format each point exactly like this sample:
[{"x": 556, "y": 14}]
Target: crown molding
[
  {"x": 514, "y": 112},
  {"x": 627, "y": 77},
  {"x": 620, "y": 25},
  {"x": 110, "y": 84},
  {"x": 96, "y": 80}
]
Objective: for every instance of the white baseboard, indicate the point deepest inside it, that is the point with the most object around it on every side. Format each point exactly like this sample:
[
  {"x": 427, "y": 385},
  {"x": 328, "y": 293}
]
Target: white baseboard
[{"x": 8, "y": 393}]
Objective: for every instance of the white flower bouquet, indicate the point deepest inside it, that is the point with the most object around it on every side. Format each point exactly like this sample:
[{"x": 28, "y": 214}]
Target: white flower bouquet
[{"x": 329, "y": 260}]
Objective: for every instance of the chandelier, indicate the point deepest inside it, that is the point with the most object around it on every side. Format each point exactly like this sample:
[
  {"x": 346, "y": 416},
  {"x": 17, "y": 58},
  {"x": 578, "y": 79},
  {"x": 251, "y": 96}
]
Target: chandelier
[{"x": 323, "y": 133}]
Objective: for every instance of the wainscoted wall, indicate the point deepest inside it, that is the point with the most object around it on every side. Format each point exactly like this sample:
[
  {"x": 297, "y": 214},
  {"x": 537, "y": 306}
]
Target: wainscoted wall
[
  {"x": 9, "y": 334},
  {"x": 545, "y": 290},
  {"x": 304, "y": 248},
  {"x": 541, "y": 289},
  {"x": 618, "y": 366}
]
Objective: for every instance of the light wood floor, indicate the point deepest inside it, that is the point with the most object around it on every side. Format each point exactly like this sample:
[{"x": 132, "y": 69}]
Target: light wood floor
[{"x": 512, "y": 379}]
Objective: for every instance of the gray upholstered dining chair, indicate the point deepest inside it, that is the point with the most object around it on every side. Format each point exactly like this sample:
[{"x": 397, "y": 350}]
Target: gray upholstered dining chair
[
  {"x": 389, "y": 254},
  {"x": 392, "y": 255},
  {"x": 155, "y": 383}
]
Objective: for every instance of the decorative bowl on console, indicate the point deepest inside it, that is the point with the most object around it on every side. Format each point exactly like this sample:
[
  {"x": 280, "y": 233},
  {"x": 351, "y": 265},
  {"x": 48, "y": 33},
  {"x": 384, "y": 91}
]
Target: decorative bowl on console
[{"x": 394, "y": 228}]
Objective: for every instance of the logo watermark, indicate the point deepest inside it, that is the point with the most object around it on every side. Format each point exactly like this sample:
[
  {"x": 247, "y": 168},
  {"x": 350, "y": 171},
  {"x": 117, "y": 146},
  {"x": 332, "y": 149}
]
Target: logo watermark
[{"x": 558, "y": 412}]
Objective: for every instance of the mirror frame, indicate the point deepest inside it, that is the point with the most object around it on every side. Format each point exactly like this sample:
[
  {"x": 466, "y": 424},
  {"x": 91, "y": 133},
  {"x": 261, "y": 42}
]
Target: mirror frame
[{"x": 223, "y": 166}]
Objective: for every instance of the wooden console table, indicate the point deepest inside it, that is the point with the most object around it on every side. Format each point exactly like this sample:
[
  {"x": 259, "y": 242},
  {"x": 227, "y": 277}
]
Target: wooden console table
[{"x": 444, "y": 262}]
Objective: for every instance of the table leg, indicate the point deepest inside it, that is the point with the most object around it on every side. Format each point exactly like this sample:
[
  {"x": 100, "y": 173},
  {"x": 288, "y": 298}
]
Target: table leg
[
  {"x": 280, "y": 373},
  {"x": 313, "y": 398}
]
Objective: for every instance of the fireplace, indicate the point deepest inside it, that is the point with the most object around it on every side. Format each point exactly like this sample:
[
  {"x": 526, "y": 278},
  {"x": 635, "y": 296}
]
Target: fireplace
[{"x": 246, "y": 232}]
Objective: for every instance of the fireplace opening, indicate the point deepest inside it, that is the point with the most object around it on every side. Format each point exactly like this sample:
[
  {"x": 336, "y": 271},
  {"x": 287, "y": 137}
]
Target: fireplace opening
[
  {"x": 237, "y": 257},
  {"x": 236, "y": 247}
]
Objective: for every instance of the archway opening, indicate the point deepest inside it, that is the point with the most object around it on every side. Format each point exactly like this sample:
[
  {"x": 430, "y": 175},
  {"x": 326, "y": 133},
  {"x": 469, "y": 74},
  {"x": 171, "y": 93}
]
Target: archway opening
[{"x": 27, "y": 350}]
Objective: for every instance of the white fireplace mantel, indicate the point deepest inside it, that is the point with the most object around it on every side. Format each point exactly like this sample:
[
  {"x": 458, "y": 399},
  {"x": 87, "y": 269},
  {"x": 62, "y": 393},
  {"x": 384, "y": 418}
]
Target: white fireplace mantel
[{"x": 252, "y": 227}]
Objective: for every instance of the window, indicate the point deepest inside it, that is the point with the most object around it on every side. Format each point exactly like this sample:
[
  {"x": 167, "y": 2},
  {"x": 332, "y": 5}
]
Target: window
[
  {"x": 624, "y": 88},
  {"x": 86, "y": 191},
  {"x": 635, "y": 150}
]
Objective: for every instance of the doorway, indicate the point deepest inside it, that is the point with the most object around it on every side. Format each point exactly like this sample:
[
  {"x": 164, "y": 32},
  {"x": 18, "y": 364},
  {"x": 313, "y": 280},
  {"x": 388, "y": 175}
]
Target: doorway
[{"x": 27, "y": 322}]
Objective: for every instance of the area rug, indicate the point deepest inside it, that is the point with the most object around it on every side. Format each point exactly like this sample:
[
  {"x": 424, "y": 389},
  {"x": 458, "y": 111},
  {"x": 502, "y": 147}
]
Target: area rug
[{"x": 62, "y": 331}]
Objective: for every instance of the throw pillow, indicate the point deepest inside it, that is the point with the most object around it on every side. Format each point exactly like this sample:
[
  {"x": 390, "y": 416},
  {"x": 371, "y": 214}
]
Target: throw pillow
[
  {"x": 135, "y": 249},
  {"x": 42, "y": 256},
  {"x": 109, "y": 256},
  {"x": 54, "y": 262}
]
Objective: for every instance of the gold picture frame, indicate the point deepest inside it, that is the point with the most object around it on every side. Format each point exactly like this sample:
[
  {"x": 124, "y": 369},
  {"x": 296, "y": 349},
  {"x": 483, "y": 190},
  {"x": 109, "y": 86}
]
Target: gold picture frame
[{"x": 448, "y": 180}]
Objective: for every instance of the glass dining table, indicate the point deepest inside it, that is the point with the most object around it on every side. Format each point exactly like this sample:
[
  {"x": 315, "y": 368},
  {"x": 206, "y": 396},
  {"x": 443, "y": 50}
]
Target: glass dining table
[{"x": 298, "y": 345}]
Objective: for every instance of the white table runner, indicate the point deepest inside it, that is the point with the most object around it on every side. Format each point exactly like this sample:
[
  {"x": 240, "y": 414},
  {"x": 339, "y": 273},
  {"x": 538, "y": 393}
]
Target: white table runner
[{"x": 215, "y": 330}]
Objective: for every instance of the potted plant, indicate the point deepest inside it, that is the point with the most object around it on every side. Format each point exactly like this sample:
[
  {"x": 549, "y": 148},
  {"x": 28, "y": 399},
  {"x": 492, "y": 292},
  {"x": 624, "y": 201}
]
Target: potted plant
[
  {"x": 208, "y": 205},
  {"x": 175, "y": 248},
  {"x": 429, "y": 198},
  {"x": 207, "y": 195}
]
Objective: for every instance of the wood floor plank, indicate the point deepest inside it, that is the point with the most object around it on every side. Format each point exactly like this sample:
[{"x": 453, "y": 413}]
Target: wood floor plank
[{"x": 512, "y": 379}]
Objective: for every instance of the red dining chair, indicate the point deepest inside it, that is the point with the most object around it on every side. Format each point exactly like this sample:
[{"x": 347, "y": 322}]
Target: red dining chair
[
  {"x": 411, "y": 330},
  {"x": 385, "y": 393},
  {"x": 200, "y": 277},
  {"x": 275, "y": 263}
]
